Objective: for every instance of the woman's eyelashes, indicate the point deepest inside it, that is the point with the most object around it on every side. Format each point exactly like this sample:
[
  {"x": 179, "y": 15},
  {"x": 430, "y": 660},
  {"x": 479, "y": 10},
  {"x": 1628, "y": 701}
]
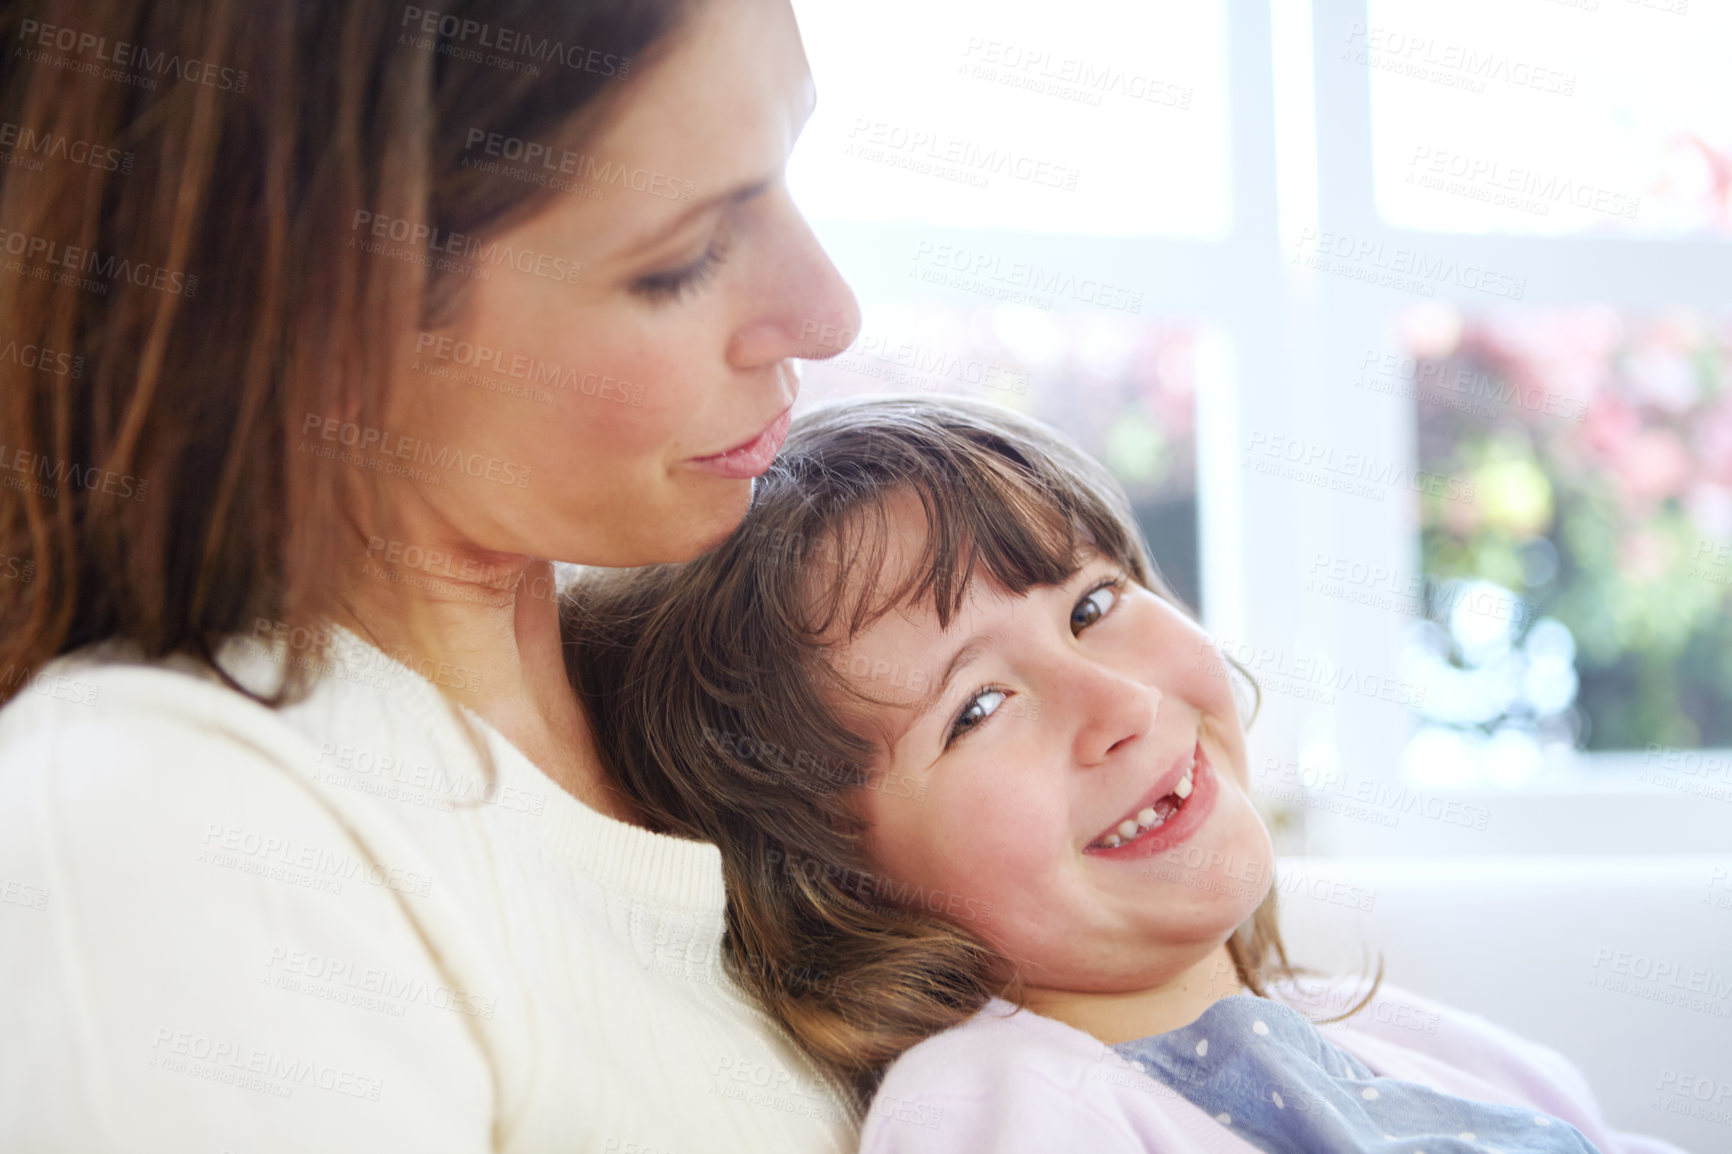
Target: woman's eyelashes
[
  {"x": 1101, "y": 599},
  {"x": 675, "y": 283}
]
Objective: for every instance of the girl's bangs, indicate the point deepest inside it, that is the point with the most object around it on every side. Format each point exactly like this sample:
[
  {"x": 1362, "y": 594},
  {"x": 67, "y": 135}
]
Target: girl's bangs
[{"x": 997, "y": 521}]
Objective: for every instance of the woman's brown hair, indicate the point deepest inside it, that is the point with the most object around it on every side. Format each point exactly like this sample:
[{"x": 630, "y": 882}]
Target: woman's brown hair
[
  {"x": 183, "y": 288},
  {"x": 714, "y": 701}
]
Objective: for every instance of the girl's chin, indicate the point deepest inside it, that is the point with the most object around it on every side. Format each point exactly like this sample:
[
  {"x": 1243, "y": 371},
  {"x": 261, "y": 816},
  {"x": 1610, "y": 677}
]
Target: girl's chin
[{"x": 1230, "y": 871}]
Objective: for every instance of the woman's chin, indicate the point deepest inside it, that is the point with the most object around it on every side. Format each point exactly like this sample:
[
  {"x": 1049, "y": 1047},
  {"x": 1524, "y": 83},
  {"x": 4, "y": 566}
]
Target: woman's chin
[
  {"x": 716, "y": 518},
  {"x": 679, "y": 530}
]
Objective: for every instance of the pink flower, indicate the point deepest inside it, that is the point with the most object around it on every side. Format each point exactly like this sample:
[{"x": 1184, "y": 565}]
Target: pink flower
[
  {"x": 1654, "y": 464},
  {"x": 1711, "y": 434}
]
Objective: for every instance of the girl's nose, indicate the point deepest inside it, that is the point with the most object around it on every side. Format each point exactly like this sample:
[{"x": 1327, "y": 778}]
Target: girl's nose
[{"x": 1113, "y": 711}]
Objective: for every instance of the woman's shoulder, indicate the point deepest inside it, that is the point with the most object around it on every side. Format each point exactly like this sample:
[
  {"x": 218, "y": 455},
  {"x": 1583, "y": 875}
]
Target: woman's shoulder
[
  {"x": 101, "y": 706},
  {"x": 188, "y": 882},
  {"x": 113, "y": 750},
  {"x": 104, "y": 706},
  {"x": 102, "y": 745}
]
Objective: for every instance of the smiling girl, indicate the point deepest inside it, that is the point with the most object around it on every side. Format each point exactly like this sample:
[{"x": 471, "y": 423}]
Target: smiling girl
[{"x": 981, "y": 790}]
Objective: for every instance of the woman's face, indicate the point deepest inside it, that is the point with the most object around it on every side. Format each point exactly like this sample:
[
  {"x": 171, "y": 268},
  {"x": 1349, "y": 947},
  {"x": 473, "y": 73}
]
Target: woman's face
[
  {"x": 675, "y": 340},
  {"x": 1055, "y": 719}
]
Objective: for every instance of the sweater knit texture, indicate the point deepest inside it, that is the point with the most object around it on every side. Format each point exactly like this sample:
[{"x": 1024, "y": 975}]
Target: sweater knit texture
[{"x": 322, "y": 927}]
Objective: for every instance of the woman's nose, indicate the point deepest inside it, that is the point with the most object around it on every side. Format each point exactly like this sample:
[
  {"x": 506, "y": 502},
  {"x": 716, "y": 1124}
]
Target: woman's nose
[{"x": 807, "y": 311}]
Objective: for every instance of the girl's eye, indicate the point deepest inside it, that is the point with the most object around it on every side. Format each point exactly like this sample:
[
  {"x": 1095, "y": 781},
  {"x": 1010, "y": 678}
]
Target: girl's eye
[
  {"x": 980, "y": 707},
  {"x": 675, "y": 283},
  {"x": 1095, "y": 604}
]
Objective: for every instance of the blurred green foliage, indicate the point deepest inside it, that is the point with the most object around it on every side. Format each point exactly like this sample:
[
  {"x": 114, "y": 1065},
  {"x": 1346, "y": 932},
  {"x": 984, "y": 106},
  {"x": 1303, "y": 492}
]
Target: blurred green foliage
[{"x": 1601, "y": 450}]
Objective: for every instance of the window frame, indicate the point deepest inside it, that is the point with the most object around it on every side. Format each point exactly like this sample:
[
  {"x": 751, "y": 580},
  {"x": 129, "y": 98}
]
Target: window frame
[
  {"x": 1301, "y": 156},
  {"x": 1598, "y": 802}
]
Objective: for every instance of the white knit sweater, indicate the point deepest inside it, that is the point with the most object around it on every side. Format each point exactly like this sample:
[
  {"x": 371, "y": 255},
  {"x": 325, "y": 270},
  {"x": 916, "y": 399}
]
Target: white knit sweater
[{"x": 230, "y": 928}]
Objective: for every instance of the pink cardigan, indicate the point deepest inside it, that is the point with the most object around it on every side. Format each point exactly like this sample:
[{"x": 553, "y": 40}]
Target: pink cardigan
[{"x": 1019, "y": 1083}]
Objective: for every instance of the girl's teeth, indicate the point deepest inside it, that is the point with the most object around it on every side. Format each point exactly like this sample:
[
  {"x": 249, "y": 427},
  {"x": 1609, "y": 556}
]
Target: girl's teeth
[
  {"x": 1183, "y": 789},
  {"x": 1147, "y": 817}
]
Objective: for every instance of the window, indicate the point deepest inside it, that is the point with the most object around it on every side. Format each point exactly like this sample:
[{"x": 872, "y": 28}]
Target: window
[
  {"x": 1489, "y": 117},
  {"x": 1123, "y": 386},
  {"x": 1022, "y": 116},
  {"x": 1582, "y": 598},
  {"x": 1233, "y": 248},
  {"x": 994, "y": 189}
]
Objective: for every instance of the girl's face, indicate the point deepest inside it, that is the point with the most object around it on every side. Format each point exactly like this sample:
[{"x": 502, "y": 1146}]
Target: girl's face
[
  {"x": 698, "y": 283},
  {"x": 1030, "y": 737}
]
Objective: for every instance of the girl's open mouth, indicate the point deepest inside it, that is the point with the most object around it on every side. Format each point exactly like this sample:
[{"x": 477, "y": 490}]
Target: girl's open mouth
[{"x": 1162, "y": 821}]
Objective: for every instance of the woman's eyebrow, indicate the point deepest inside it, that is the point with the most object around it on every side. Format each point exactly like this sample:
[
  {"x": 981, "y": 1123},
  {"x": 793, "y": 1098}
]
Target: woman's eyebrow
[{"x": 737, "y": 195}]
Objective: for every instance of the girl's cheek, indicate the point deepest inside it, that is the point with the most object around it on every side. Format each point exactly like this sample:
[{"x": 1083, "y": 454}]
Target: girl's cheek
[
  {"x": 1210, "y": 686},
  {"x": 981, "y": 836},
  {"x": 915, "y": 840},
  {"x": 1018, "y": 846},
  {"x": 1197, "y": 669}
]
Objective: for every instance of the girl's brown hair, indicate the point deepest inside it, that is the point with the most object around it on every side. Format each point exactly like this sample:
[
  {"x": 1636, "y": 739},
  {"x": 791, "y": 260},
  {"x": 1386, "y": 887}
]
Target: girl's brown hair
[
  {"x": 184, "y": 288},
  {"x": 711, "y": 693}
]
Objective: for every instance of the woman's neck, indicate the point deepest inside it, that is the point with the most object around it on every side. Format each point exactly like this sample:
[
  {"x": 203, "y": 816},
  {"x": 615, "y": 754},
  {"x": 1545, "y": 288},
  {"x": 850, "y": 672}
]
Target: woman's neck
[
  {"x": 1122, "y": 1016},
  {"x": 495, "y": 644}
]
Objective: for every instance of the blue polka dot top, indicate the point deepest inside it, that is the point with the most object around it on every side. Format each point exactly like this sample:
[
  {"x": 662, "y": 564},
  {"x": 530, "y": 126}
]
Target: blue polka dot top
[{"x": 1264, "y": 1070}]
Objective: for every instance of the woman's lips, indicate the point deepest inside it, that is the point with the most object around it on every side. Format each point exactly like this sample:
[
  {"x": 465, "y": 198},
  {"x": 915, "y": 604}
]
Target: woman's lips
[
  {"x": 752, "y": 457},
  {"x": 1177, "y": 828}
]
